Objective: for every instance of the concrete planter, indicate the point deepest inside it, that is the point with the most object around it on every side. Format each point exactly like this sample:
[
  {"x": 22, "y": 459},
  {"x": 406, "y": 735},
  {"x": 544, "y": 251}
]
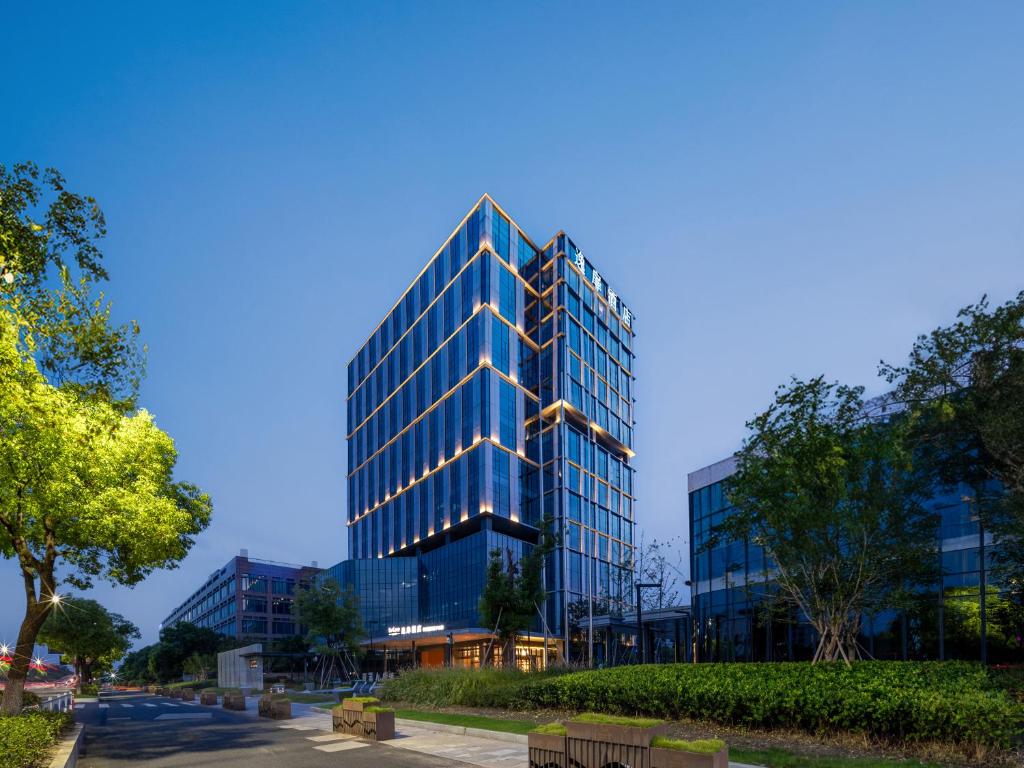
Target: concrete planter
[
  {"x": 346, "y": 720},
  {"x": 187, "y": 694},
  {"x": 594, "y": 745},
  {"x": 208, "y": 698},
  {"x": 379, "y": 726},
  {"x": 275, "y": 707},
  {"x": 677, "y": 758},
  {"x": 234, "y": 700},
  {"x": 69, "y": 748},
  {"x": 547, "y": 750},
  {"x": 358, "y": 706}
]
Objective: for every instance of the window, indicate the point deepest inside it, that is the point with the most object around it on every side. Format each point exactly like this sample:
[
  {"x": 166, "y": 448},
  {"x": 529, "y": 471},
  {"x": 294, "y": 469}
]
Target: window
[
  {"x": 283, "y": 627},
  {"x": 501, "y": 235},
  {"x": 252, "y": 583},
  {"x": 254, "y": 604},
  {"x": 507, "y": 296}
]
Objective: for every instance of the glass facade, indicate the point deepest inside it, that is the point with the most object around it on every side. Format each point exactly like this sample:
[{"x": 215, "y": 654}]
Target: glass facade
[
  {"x": 732, "y": 587},
  {"x": 247, "y": 599},
  {"x": 497, "y": 390}
]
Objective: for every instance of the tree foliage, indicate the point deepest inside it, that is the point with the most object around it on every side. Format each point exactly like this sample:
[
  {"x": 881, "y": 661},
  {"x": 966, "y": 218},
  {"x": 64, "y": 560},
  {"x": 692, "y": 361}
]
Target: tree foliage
[
  {"x": 833, "y": 498},
  {"x": 88, "y": 635},
  {"x": 86, "y": 481},
  {"x": 963, "y": 389},
  {"x": 48, "y": 244},
  {"x": 331, "y": 615},
  {"x": 180, "y": 642},
  {"x": 514, "y": 590}
]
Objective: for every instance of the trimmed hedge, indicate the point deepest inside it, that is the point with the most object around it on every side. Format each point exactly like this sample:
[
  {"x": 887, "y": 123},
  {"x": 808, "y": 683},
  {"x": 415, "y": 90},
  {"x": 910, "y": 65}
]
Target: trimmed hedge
[
  {"x": 25, "y": 739},
  {"x": 904, "y": 701}
]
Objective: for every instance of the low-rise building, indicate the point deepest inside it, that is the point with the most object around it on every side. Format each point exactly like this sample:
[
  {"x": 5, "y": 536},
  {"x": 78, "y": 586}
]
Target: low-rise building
[{"x": 247, "y": 599}]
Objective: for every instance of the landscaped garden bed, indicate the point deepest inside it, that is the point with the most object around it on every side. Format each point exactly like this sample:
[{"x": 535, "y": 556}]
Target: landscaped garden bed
[
  {"x": 952, "y": 712},
  {"x": 27, "y": 739},
  {"x": 894, "y": 701}
]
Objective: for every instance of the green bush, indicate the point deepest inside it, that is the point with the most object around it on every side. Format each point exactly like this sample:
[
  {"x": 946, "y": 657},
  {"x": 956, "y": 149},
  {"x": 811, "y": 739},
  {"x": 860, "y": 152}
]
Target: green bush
[
  {"x": 25, "y": 740},
  {"x": 89, "y": 689},
  {"x": 904, "y": 701}
]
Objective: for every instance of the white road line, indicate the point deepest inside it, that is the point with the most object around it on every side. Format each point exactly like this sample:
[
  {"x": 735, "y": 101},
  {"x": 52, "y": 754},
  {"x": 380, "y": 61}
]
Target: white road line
[
  {"x": 149, "y": 705},
  {"x": 184, "y": 716},
  {"x": 340, "y": 746},
  {"x": 104, "y": 706},
  {"x": 127, "y": 706},
  {"x": 168, "y": 704}
]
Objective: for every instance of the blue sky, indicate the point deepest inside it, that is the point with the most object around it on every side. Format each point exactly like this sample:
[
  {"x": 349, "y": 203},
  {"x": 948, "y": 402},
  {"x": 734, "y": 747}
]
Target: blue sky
[{"x": 777, "y": 189}]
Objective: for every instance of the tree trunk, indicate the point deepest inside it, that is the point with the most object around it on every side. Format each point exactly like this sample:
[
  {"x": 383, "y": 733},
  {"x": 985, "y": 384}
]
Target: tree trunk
[
  {"x": 35, "y": 616},
  {"x": 508, "y": 652}
]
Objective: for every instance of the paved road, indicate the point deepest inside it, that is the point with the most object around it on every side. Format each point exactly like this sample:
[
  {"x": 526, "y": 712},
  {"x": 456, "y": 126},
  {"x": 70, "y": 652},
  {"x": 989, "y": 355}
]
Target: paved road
[{"x": 127, "y": 729}]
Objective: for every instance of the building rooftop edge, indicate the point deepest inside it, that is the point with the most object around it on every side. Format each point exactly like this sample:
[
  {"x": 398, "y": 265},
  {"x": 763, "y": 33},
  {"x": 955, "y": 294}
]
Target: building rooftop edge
[{"x": 713, "y": 473}]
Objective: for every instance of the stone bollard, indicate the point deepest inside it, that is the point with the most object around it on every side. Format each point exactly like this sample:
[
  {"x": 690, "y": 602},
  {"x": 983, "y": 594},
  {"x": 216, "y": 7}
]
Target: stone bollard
[
  {"x": 188, "y": 694},
  {"x": 208, "y": 696}
]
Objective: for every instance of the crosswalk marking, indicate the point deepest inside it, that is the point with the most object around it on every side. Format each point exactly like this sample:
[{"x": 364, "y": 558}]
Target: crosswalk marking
[
  {"x": 104, "y": 706},
  {"x": 149, "y": 705},
  {"x": 128, "y": 706},
  {"x": 340, "y": 746},
  {"x": 169, "y": 704}
]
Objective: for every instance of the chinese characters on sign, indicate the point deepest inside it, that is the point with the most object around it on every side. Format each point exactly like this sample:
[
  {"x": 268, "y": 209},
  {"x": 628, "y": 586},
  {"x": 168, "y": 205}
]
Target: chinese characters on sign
[
  {"x": 599, "y": 284},
  {"x": 414, "y": 629}
]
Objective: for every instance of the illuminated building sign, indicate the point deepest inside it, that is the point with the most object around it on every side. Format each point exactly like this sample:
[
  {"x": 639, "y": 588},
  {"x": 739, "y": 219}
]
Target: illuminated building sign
[
  {"x": 603, "y": 289},
  {"x": 414, "y": 629}
]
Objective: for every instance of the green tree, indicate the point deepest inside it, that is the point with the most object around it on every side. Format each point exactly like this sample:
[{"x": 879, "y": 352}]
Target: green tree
[
  {"x": 832, "y": 496},
  {"x": 963, "y": 388},
  {"x": 50, "y": 267},
  {"x": 180, "y": 642},
  {"x": 331, "y": 616},
  {"x": 86, "y": 481},
  {"x": 200, "y": 665},
  {"x": 135, "y": 667},
  {"x": 88, "y": 636},
  {"x": 514, "y": 590}
]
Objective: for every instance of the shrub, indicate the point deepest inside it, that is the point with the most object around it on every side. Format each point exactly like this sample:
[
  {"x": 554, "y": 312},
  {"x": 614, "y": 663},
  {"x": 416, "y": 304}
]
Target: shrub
[
  {"x": 902, "y": 701},
  {"x": 700, "y": 746},
  {"x": 89, "y": 689},
  {"x": 25, "y": 740},
  {"x": 378, "y": 709}
]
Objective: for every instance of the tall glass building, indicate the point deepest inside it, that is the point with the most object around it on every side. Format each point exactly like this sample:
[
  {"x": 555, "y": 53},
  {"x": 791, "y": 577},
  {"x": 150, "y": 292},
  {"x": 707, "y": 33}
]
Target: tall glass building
[
  {"x": 732, "y": 580},
  {"x": 498, "y": 389}
]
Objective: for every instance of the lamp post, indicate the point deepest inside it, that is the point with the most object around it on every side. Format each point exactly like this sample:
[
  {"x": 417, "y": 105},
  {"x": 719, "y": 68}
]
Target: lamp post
[{"x": 640, "y": 620}]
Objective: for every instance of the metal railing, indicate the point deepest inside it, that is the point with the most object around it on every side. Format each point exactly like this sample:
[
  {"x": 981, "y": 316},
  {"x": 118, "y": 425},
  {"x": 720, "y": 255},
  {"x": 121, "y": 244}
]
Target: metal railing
[{"x": 61, "y": 702}]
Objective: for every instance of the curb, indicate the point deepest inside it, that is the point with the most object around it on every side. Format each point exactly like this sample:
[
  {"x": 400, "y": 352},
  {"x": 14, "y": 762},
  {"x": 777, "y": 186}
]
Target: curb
[
  {"x": 461, "y": 730},
  {"x": 69, "y": 748}
]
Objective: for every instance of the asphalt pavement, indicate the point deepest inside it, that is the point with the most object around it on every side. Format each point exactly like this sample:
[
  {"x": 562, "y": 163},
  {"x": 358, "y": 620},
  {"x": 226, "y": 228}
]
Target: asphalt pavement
[{"x": 130, "y": 729}]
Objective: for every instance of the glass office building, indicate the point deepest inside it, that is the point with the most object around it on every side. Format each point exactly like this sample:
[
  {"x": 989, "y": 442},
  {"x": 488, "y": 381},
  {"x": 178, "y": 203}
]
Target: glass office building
[
  {"x": 247, "y": 599},
  {"x": 495, "y": 391},
  {"x": 731, "y": 581}
]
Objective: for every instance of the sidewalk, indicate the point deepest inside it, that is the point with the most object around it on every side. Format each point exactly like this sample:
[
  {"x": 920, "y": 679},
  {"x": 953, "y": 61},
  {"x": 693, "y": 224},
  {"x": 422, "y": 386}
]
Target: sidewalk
[{"x": 486, "y": 749}]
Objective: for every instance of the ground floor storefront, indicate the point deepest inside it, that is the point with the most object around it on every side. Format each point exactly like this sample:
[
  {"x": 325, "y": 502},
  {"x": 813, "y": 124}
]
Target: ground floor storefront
[{"x": 469, "y": 648}]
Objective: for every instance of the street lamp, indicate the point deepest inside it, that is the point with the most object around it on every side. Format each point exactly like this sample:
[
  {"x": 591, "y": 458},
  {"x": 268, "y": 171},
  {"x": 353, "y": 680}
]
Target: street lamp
[{"x": 640, "y": 620}]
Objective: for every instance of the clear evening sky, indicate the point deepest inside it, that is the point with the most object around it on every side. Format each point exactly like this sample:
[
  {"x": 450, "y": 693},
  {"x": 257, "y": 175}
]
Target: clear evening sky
[{"x": 774, "y": 188}]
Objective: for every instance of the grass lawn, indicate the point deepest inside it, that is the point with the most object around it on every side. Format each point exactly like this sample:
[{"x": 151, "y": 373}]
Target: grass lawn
[
  {"x": 310, "y": 698},
  {"x": 780, "y": 758},
  {"x": 467, "y": 721}
]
